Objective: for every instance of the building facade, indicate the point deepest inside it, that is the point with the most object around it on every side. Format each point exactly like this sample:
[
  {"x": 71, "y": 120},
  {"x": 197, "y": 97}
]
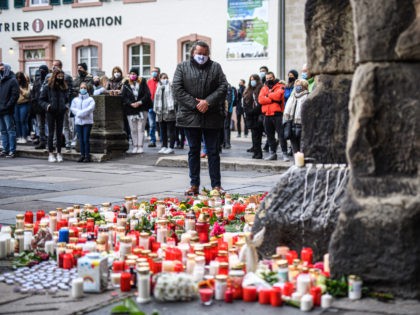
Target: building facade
[{"x": 147, "y": 33}]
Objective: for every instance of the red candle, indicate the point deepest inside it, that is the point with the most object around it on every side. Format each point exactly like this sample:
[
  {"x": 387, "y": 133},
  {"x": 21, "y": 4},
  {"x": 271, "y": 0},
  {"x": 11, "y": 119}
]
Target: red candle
[
  {"x": 229, "y": 296},
  {"x": 29, "y": 217},
  {"x": 206, "y": 295},
  {"x": 316, "y": 293},
  {"x": 306, "y": 255},
  {"x": 67, "y": 261},
  {"x": 264, "y": 296},
  {"x": 290, "y": 256},
  {"x": 39, "y": 215},
  {"x": 249, "y": 294},
  {"x": 275, "y": 296},
  {"x": 36, "y": 227},
  {"x": 288, "y": 289},
  {"x": 125, "y": 284},
  {"x": 118, "y": 266}
]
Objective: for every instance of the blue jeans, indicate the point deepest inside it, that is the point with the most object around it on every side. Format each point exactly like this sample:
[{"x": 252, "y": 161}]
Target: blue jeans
[
  {"x": 83, "y": 134},
  {"x": 8, "y": 133},
  {"x": 152, "y": 125},
  {"x": 21, "y": 119},
  {"x": 211, "y": 139}
]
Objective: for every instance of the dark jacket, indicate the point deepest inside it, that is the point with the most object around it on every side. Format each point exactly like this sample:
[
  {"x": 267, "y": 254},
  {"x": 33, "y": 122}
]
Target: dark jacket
[
  {"x": 69, "y": 81},
  {"x": 231, "y": 98},
  {"x": 56, "y": 98},
  {"x": 208, "y": 82},
  {"x": 88, "y": 79},
  {"x": 128, "y": 98},
  {"x": 239, "y": 105},
  {"x": 114, "y": 84},
  {"x": 35, "y": 95},
  {"x": 9, "y": 92},
  {"x": 252, "y": 108}
]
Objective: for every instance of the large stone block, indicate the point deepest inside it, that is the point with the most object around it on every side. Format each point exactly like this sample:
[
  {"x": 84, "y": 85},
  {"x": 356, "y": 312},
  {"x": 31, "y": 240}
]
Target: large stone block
[
  {"x": 384, "y": 128},
  {"x": 302, "y": 209},
  {"x": 378, "y": 239},
  {"x": 330, "y": 39},
  {"x": 325, "y": 119},
  {"x": 378, "y": 25},
  {"x": 408, "y": 44}
]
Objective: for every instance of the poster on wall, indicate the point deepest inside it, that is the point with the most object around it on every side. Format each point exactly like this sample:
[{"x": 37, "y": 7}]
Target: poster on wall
[{"x": 247, "y": 29}]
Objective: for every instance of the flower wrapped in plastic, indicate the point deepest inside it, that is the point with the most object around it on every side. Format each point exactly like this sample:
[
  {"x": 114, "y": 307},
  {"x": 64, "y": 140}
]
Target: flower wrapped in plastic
[{"x": 171, "y": 287}]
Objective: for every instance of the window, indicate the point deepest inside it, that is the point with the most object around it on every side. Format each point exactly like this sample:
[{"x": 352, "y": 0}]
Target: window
[
  {"x": 185, "y": 43},
  {"x": 89, "y": 55},
  {"x": 186, "y": 48},
  {"x": 140, "y": 57},
  {"x": 4, "y": 4},
  {"x": 37, "y": 3}
]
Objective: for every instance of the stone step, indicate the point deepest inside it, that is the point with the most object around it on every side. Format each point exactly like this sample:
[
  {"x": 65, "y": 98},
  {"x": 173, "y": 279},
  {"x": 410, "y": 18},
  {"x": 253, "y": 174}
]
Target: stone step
[{"x": 28, "y": 151}]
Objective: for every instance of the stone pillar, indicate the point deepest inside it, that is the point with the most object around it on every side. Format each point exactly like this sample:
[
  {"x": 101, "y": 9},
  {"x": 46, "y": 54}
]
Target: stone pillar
[
  {"x": 330, "y": 53},
  {"x": 377, "y": 235},
  {"x": 108, "y": 136}
]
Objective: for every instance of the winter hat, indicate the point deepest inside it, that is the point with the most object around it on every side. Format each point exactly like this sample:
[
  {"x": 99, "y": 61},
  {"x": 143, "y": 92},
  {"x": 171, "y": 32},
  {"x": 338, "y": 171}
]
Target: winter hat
[
  {"x": 135, "y": 70},
  {"x": 43, "y": 67},
  {"x": 83, "y": 65},
  {"x": 295, "y": 73}
]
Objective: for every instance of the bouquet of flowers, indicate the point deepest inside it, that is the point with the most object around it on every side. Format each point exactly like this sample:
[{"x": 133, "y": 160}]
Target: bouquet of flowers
[{"x": 173, "y": 287}]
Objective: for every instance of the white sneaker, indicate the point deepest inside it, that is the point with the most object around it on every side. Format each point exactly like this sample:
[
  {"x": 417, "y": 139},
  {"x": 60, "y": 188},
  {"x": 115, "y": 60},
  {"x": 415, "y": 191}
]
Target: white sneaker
[
  {"x": 131, "y": 151},
  {"x": 59, "y": 158},
  {"x": 51, "y": 158},
  {"x": 140, "y": 150},
  {"x": 169, "y": 151},
  {"x": 162, "y": 150},
  {"x": 23, "y": 141}
]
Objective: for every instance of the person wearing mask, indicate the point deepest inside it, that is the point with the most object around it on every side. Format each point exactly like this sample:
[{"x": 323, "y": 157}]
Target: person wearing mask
[
  {"x": 271, "y": 98},
  {"x": 40, "y": 76},
  {"x": 231, "y": 99},
  {"x": 240, "y": 110},
  {"x": 292, "y": 77},
  {"x": 306, "y": 75},
  {"x": 82, "y": 76},
  {"x": 137, "y": 102},
  {"x": 115, "y": 82},
  {"x": 99, "y": 85},
  {"x": 201, "y": 111},
  {"x": 293, "y": 112},
  {"x": 54, "y": 98},
  {"x": 164, "y": 108},
  {"x": 152, "y": 83},
  {"x": 22, "y": 108},
  {"x": 82, "y": 108},
  {"x": 253, "y": 115},
  {"x": 9, "y": 94},
  {"x": 263, "y": 72}
]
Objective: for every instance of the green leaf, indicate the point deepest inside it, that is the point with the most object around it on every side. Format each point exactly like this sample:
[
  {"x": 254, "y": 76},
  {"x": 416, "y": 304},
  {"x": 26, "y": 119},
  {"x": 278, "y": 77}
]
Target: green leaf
[
  {"x": 131, "y": 305},
  {"x": 120, "y": 309}
]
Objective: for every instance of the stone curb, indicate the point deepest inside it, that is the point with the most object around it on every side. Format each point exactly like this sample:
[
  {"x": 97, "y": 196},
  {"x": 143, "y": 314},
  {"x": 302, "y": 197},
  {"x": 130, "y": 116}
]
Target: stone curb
[{"x": 72, "y": 155}]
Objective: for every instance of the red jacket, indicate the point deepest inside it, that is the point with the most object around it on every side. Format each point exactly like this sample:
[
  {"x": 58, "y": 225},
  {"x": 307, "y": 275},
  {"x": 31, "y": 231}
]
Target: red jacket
[
  {"x": 152, "y": 84},
  {"x": 272, "y": 100}
]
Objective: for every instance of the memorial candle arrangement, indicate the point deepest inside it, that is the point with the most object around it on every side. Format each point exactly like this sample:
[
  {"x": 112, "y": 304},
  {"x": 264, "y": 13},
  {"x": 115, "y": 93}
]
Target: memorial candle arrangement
[{"x": 170, "y": 250}]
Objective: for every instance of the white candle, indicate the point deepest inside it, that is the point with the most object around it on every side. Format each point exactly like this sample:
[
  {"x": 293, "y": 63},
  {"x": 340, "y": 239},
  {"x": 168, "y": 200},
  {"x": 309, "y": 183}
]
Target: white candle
[
  {"x": 77, "y": 288},
  {"x": 3, "y": 251},
  {"x": 6, "y": 238},
  {"x": 213, "y": 268},
  {"x": 185, "y": 248},
  {"x": 306, "y": 303},
  {"x": 327, "y": 262},
  {"x": 326, "y": 301},
  {"x": 299, "y": 159},
  {"x": 115, "y": 279},
  {"x": 49, "y": 247},
  {"x": 160, "y": 210},
  {"x": 168, "y": 266},
  {"x": 296, "y": 296}
]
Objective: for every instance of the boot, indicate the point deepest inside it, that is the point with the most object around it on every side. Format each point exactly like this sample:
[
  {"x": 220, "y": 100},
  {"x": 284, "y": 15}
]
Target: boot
[{"x": 271, "y": 157}]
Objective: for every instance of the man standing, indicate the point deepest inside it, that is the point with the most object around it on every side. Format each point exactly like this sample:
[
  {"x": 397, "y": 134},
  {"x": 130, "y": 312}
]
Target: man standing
[
  {"x": 240, "y": 110},
  {"x": 40, "y": 112},
  {"x": 271, "y": 99},
  {"x": 231, "y": 99},
  {"x": 9, "y": 94},
  {"x": 200, "y": 89},
  {"x": 152, "y": 83}
]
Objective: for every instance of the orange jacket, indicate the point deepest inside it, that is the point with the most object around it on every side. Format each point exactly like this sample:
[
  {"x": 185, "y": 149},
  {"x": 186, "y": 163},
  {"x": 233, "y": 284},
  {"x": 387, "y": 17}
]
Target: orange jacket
[{"x": 272, "y": 100}]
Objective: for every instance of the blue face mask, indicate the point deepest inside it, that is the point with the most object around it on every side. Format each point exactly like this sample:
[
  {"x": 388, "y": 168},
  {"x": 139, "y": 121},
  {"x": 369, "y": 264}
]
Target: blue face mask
[
  {"x": 201, "y": 59},
  {"x": 83, "y": 91},
  {"x": 298, "y": 88},
  {"x": 262, "y": 75},
  {"x": 304, "y": 75},
  {"x": 154, "y": 74},
  {"x": 253, "y": 83}
]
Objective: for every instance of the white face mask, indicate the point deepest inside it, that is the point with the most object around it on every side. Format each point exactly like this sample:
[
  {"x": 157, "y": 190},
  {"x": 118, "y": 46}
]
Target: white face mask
[
  {"x": 164, "y": 81},
  {"x": 201, "y": 59},
  {"x": 117, "y": 75}
]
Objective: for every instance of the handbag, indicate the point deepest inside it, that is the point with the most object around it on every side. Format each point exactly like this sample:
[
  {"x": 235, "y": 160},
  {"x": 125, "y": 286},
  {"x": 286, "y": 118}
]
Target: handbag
[{"x": 289, "y": 126}]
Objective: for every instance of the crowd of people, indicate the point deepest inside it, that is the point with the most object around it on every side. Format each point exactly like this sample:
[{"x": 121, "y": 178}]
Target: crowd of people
[{"x": 197, "y": 106}]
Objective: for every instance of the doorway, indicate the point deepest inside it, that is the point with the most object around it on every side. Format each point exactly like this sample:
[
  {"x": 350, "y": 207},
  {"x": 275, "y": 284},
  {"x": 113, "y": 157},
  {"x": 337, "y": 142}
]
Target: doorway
[{"x": 31, "y": 67}]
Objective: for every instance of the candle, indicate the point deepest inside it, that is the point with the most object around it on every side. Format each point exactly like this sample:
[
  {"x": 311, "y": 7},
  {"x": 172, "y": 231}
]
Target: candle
[
  {"x": 77, "y": 288},
  {"x": 67, "y": 261},
  {"x": 264, "y": 296},
  {"x": 296, "y": 296},
  {"x": 3, "y": 250},
  {"x": 125, "y": 284},
  {"x": 118, "y": 266},
  {"x": 249, "y": 294},
  {"x": 306, "y": 303},
  {"x": 49, "y": 247},
  {"x": 327, "y": 263},
  {"x": 282, "y": 251},
  {"x": 228, "y": 296},
  {"x": 299, "y": 159},
  {"x": 288, "y": 289},
  {"x": 29, "y": 217},
  {"x": 168, "y": 266},
  {"x": 290, "y": 256},
  {"x": 206, "y": 295},
  {"x": 275, "y": 296},
  {"x": 63, "y": 235},
  {"x": 143, "y": 284},
  {"x": 115, "y": 279},
  {"x": 306, "y": 255},
  {"x": 326, "y": 301},
  {"x": 316, "y": 295}
]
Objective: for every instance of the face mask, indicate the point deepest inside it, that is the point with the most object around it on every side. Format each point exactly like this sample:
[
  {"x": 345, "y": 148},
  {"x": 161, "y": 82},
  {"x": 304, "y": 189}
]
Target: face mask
[
  {"x": 83, "y": 91},
  {"x": 96, "y": 83},
  {"x": 304, "y": 75},
  {"x": 291, "y": 80},
  {"x": 269, "y": 82},
  {"x": 60, "y": 80},
  {"x": 253, "y": 83},
  {"x": 133, "y": 77},
  {"x": 201, "y": 59},
  {"x": 81, "y": 73},
  {"x": 154, "y": 74},
  {"x": 117, "y": 75},
  {"x": 262, "y": 75},
  {"x": 164, "y": 81},
  {"x": 298, "y": 88}
]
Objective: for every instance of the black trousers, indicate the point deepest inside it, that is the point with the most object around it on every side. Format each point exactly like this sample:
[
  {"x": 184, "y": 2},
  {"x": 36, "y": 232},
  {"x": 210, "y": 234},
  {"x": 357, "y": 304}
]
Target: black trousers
[
  {"x": 239, "y": 124},
  {"x": 167, "y": 131},
  {"x": 228, "y": 120},
  {"x": 256, "y": 134},
  {"x": 55, "y": 123},
  {"x": 273, "y": 124}
]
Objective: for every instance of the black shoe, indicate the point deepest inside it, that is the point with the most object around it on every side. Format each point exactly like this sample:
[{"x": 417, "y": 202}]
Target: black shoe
[
  {"x": 87, "y": 159},
  {"x": 152, "y": 145},
  {"x": 81, "y": 159},
  {"x": 238, "y": 135},
  {"x": 271, "y": 157},
  {"x": 35, "y": 142},
  {"x": 40, "y": 146},
  {"x": 11, "y": 155},
  {"x": 266, "y": 148},
  {"x": 227, "y": 146},
  {"x": 257, "y": 156},
  {"x": 251, "y": 149},
  {"x": 3, "y": 154}
]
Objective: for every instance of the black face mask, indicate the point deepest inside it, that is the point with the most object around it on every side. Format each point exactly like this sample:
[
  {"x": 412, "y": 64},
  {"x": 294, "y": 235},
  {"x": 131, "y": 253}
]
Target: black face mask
[
  {"x": 291, "y": 80},
  {"x": 96, "y": 83},
  {"x": 82, "y": 73},
  {"x": 59, "y": 80},
  {"x": 270, "y": 83}
]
